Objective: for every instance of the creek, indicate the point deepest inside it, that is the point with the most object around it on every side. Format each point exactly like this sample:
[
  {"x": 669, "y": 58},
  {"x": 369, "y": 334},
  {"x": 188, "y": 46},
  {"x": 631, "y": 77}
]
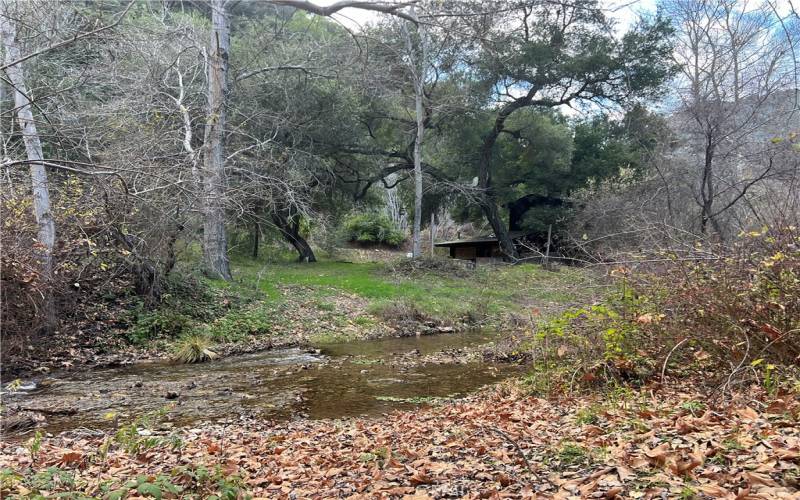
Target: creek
[{"x": 331, "y": 381}]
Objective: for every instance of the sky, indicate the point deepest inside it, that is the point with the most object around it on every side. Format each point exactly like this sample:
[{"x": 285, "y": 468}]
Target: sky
[{"x": 625, "y": 11}]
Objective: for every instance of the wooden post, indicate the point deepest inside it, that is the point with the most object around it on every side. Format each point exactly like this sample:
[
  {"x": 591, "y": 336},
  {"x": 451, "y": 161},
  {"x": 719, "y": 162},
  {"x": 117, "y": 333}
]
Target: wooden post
[{"x": 547, "y": 248}]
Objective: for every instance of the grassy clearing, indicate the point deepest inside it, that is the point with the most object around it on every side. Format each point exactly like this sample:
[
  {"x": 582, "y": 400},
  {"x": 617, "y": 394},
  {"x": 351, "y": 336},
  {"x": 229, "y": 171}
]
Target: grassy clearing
[
  {"x": 285, "y": 302},
  {"x": 492, "y": 291}
]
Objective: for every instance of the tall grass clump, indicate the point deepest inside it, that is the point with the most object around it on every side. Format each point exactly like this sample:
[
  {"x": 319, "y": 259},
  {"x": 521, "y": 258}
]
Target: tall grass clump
[{"x": 193, "y": 348}]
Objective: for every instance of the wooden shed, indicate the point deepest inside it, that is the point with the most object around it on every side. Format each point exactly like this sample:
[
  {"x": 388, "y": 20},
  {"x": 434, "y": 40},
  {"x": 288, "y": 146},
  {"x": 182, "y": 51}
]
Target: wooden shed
[{"x": 482, "y": 248}]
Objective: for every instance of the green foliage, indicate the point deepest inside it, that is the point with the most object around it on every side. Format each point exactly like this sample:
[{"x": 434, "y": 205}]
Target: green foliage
[
  {"x": 196, "y": 298},
  {"x": 129, "y": 437},
  {"x": 379, "y": 455},
  {"x": 601, "y": 343},
  {"x": 570, "y": 454},
  {"x": 154, "y": 487},
  {"x": 193, "y": 348},
  {"x": 442, "y": 296},
  {"x": 587, "y": 415},
  {"x": 693, "y": 407},
  {"x": 52, "y": 478},
  {"x": 158, "y": 324},
  {"x": 8, "y": 478},
  {"x": 255, "y": 319},
  {"x": 616, "y": 331},
  {"x": 372, "y": 227},
  {"x": 212, "y": 484},
  {"x": 185, "y": 301},
  {"x": 35, "y": 445}
]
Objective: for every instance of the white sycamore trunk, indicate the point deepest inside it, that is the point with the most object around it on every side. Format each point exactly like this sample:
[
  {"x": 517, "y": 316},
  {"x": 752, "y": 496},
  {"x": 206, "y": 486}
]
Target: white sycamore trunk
[
  {"x": 215, "y": 246},
  {"x": 46, "y": 233},
  {"x": 394, "y": 205},
  {"x": 418, "y": 61}
]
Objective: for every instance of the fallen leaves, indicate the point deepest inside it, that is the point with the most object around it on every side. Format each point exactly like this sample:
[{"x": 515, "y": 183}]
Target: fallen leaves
[{"x": 647, "y": 447}]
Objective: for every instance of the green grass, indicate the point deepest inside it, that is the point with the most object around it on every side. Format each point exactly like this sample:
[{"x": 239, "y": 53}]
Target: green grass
[{"x": 493, "y": 290}]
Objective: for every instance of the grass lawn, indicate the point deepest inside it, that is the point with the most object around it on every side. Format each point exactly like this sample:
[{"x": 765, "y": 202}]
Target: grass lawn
[{"x": 490, "y": 290}]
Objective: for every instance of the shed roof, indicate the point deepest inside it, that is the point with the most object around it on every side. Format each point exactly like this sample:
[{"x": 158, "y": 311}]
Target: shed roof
[{"x": 479, "y": 240}]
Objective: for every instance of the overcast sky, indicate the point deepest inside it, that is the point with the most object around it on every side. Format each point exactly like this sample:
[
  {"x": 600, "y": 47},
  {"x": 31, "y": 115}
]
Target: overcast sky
[{"x": 625, "y": 11}]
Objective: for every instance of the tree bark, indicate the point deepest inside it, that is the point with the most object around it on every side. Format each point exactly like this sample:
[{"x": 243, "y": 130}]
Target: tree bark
[
  {"x": 289, "y": 227},
  {"x": 417, "y": 62},
  {"x": 394, "y": 205},
  {"x": 256, "y": 238},
  {"x": 488, "y": 203},
  {"x": 417, "y": 238},
  {"x": 46, "y": 230},
  {"x": 488, "y": 200},
  {"x": 215, "y": 244},
  {"x": 707, "y": 188}
]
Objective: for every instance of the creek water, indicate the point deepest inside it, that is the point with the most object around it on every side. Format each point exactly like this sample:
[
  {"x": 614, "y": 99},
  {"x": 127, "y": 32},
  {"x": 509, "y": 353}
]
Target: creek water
[{"x": 333, "y": 381}]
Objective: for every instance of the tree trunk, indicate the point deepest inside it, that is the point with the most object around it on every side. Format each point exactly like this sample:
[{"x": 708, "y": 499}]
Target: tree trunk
[
  {"x": 306, "y": 254},
  {"x": 256, "y": 238},
  {"x": 394, "y": 205},
  {"x": 290, "y": 229},
  {"x": 46, "y": 232},
  {"x": 417, "y": 238},
  {"x": 489, "y": 204},
  {"x": 215, "y": 244},
  {"x": 417, "y": 60},
  {"x": 707, "y": 189}
]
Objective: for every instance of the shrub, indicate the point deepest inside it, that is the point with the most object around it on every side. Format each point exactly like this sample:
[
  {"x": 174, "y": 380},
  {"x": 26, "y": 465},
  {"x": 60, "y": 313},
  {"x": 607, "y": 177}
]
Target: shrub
[
  {"x": 737, "y": 312},
  {"x": 195, "y": 298},
  {"x": 236, "y": 325},
  {"x": 374, "y": 228},
  {"x": 194, "y": 348},
  {"x": 159, "y": 323},
  {"x": 399, "y": 311},
  {"x": 741, "y": 307}
]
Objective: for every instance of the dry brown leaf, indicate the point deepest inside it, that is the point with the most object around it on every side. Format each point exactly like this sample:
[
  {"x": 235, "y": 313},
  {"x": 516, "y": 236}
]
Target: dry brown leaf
[
  {"x": 747, "y": 413},
  {"x": 71, "y": 457},
  {"x": 659, "y": 453},
  {"x": 758, "y": 478},
  {"x": 625, "y": 473},
  {"x": 715, "y": 491},
  {"x": 420, "y": 478}
]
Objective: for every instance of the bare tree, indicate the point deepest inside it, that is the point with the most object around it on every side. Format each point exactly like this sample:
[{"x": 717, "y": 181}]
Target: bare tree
[
  {"x": 735, "y": 91},
  {"x": 46, "y": 233}
]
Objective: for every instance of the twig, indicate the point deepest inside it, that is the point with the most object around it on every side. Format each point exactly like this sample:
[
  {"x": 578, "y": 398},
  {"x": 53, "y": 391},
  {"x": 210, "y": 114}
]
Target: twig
[
  {"x": 70, "y": 40},
  {"x": 727, "y": 384},
  {"x": 572, "y": 378},
  {"x": 666, "y": 360},
  {"x": 514, "y": 444}
]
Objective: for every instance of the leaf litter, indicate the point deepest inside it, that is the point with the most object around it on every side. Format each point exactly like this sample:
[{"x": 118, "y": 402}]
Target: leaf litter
[{"x": 648, "y": 443}]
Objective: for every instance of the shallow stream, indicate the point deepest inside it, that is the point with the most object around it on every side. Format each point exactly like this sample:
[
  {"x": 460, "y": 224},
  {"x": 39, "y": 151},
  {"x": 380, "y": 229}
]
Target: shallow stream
[{"x": 335, "y": 380}]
